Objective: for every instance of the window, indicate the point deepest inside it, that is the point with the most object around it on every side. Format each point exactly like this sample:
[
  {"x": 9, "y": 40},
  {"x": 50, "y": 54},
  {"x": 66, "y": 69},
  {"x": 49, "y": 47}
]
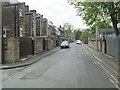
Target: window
[
  {"x": 21, "y": 32},
  {"x": 20, "y": 12},
  {"x": 4, "y": 32}
]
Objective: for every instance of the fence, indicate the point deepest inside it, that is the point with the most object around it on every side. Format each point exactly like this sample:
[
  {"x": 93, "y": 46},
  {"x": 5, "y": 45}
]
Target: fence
[{"x": 111, "y": 45}]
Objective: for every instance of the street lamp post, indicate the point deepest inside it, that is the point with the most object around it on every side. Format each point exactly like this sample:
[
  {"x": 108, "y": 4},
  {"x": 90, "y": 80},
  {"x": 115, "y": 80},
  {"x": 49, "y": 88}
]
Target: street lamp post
[{"x": 97, "y": 37}]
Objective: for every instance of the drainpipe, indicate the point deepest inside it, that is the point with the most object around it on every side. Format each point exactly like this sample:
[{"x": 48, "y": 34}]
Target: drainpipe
[
  {"x": 1, "y": 57},
  {"x": 0, "y": 41},
  {"x": 16, "y": 22}
]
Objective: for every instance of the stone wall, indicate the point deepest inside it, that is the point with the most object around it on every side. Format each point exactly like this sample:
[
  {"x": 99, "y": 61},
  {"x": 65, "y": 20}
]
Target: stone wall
[
  {"x": 21, "y": 19},
  {"x": 38, "y": 43},
  {"x": 92, "y": 44},
  {"x": 11, "y": 50},
  {"x": 45, "y": 27},
  {"x": 50, "y": 44},
  {"x": 28, "y": 24},
  {"x": 15, "y": 14},
  {"x": 38, "y": 25},
  {"x": 9, "y": 15},
  {"x": 33, "y": 22}
]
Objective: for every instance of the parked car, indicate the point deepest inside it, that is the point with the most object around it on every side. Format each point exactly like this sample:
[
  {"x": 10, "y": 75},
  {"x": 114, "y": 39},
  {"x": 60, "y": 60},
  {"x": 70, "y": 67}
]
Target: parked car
[
  {"x": 78, "y": 42},
  {"x": 86, "y": 42},
  {"x": 65, "y": 44}
]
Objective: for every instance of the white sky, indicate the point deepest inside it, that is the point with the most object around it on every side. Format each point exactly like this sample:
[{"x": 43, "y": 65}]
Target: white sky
[{"x": 56, "y": 11}]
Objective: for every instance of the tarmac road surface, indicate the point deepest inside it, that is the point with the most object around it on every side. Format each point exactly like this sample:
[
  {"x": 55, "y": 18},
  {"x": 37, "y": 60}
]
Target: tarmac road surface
[{"x": 66, "y": 68}]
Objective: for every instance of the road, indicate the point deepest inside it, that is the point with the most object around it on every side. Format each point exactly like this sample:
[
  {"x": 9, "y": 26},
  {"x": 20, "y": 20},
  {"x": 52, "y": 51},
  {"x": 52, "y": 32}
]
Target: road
[{"x": 67, "y": 68}]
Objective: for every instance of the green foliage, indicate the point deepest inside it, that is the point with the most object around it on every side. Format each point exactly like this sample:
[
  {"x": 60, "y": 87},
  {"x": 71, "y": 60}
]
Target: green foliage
[
  {"x": 98, "y": 13},
  {"x": 68, "y": 29},
  {"x": 88, "y": 34},
  {"x": 71, "y": 32},
  {"x": 77, "y": 34},
  {"x": 84, "y": 35}
]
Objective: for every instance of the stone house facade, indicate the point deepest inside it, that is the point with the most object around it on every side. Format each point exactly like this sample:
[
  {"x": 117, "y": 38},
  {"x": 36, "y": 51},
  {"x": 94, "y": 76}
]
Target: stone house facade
[
  {"x": 28, "y": 22},
  {"x": 51, "y": 37},
  {"x": 24, "y": 33},
  {"x": 38, "y": 41},
  {"x": 62, "y": 35},
  {"x": 13, "y": 29}
]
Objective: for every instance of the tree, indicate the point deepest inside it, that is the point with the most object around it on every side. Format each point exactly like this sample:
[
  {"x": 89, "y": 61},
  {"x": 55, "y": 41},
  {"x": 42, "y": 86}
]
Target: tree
[
  {"x": 85, "y": 35},
  {"x": 94, "y": 13},
  {"x": 77, "y": 34},
  {"x": 68, "y": 29}
]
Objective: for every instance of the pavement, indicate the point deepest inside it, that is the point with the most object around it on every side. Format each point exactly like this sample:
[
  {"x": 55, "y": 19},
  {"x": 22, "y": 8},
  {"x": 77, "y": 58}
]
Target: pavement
[
  {"x": 30, "y": 60},
  {"x": 101, "y": 57},
  {"x": 109, "y": 64}
]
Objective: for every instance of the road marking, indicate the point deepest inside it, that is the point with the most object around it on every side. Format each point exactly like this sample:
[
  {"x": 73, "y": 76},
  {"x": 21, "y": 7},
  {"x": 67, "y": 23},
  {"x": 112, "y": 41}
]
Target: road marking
[
  {"x": 86, "y": 50},
  {"x": 97, "y": 58},
  {"x": 95, "y": 62},
  {"x": 6, "y": 66},
  {"x": 117, "y": 87},
  {"x": 114, "y": 78},
  {"x": 112, "y": 81},
  {"x": 107, "y": 67},
  {"x": 108, "y": 74}
]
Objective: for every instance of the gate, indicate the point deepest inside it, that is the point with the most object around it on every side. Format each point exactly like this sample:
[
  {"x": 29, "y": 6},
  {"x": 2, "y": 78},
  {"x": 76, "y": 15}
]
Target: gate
[
  {"x": 44, "y": 44},
  {"x": 26, "y": 47}
]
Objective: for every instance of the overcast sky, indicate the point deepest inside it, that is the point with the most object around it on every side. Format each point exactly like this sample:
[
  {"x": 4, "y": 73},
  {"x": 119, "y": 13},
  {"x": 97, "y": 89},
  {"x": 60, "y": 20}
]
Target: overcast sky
[{"x": 56, "y": 11}]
